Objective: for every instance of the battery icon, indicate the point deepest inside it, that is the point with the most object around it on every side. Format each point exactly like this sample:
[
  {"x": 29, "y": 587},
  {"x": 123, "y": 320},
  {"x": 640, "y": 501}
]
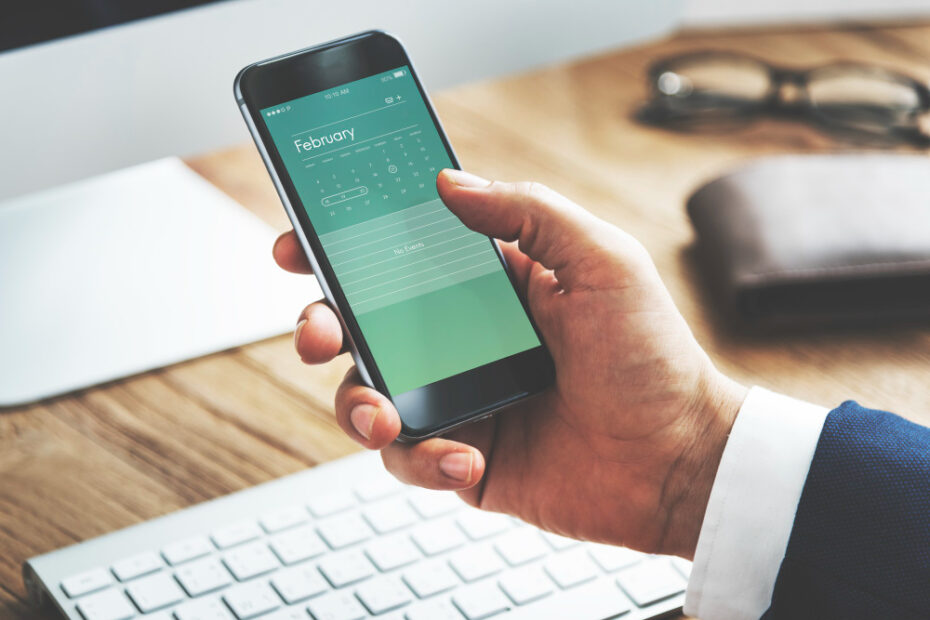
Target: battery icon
[{"x": 399, "y": 74}]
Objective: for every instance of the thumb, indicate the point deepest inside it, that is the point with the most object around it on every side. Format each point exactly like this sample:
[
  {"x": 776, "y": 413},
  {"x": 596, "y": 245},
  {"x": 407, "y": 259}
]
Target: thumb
[{"x": 550, "y": 229}]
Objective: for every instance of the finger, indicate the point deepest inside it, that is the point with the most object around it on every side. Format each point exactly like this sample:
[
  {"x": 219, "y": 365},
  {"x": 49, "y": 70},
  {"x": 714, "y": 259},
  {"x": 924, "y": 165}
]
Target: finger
[
  {"x": 289, "y": 255},
  {"x": 542, "y": 289},
  {"x": 318, "y": 335},
  {"x": 365, "y": 414},
  {"x": 435, "y": 464},
  {"x": 549, "y": 228},
  {"x": 520, "y": 264}
]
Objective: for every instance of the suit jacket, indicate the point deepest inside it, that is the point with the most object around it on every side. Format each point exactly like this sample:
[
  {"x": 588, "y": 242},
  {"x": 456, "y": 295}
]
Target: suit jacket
[{"x": 860, "y": 544}]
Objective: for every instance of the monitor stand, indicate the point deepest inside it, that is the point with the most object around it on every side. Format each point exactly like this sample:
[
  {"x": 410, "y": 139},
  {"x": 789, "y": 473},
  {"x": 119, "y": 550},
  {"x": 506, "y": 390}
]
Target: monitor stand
[{"x": 130, "y": 271}]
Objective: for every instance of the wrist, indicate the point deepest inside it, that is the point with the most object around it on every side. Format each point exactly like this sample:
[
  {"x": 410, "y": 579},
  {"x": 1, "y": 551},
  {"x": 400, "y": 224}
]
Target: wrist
[{"x": 706, "y": 428}]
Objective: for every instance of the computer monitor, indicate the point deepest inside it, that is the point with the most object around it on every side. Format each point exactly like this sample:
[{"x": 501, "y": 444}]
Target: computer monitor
[{"x": 80, "y": 103}]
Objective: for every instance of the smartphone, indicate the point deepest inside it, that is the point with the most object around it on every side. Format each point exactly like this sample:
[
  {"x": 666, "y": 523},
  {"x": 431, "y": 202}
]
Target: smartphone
[{"x": 428, "y": 307}]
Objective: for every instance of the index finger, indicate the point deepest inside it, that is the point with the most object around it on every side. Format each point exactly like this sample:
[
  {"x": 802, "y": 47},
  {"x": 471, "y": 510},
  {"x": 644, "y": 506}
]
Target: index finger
[
  {"x": 289, "y": 255},
  {"x": 520, "y": 264}
]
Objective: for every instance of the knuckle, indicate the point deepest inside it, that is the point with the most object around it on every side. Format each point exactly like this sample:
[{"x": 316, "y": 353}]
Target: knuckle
[
  {"x": 353, "y": 390},
  {"x": 348, "y": 382},
  {"x": 630, "y": 258},
  {"x": 634, "y": 251},
  {"x": 395, "y": 460},
  {"x": 311, "y": 308},
  {"x": 533, "y": 190}
]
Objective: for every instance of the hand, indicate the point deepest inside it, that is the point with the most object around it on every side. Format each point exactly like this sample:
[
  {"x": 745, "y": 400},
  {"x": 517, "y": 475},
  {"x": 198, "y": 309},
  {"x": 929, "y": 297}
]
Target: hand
[{"x": 624, "y": 447}]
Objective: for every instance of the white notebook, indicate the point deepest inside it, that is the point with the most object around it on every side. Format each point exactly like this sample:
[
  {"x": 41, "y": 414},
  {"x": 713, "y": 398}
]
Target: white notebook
[{"x": 131, "y": 271}]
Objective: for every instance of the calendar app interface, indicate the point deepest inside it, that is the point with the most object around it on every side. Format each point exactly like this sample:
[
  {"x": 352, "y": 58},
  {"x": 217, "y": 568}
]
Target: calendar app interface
[{"x": 430, "y": 296}]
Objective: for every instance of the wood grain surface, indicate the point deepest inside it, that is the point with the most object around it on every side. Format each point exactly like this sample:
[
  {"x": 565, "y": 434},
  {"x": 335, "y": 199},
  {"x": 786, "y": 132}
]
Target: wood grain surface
[{"x": 108, "y": 457}]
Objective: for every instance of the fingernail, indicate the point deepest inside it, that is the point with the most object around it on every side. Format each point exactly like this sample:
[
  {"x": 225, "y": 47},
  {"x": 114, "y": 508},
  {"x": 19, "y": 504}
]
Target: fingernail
[
  {"x": 363, "y": 418},
  {"x": 465, "y": 179},
  {"x": 457, "y": 465},
  {"x": 297, "y": 330}
]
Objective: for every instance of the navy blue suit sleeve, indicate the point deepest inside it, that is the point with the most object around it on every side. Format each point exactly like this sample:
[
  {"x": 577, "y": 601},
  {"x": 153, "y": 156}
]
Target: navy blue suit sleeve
[{"x": 860, "y": 545}]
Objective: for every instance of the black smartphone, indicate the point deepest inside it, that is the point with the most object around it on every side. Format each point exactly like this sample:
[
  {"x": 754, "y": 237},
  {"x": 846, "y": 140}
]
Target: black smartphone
[{"x": 429, "y": 307}]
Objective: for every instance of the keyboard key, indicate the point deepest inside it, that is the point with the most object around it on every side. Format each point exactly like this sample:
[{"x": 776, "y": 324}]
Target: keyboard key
[
  {"x": 382, "y": 594},
  {"x": 235, "y": 534},
  {"x": 106, "y": 605},
  {"x": 479, "y": 524},
  {"x": 378, "y": 487},
  {"x": 203, "y": 609},
  {"x": 160, "y": 615},
  {"x": 571, "y": 569},
  {"x": 137, "y": 566},
  {"x": 651, "y": 581},
  {"x": 475, "y": 562},
  {"x": 429, "y": 504},
  {"x": 481, "y": 601},
  {"x": 202, "y": 576},
  {"x": 299, "y": 583},
  {"x": 594, "y": 600},
  {"x": 250, "y": 600},
  {"x": 283, "y": 518},
  {"x": 331, "y": 503},
  {"x": 297, "y": 545},
  {"x": 612, "y": 559},
  {"x": 341, "y": 569},
  {"x": 429, "y": 578},
  {"x": 154, "y": 592},
  {"x": 392, "y": 552},
  {"x": 437, "y": 537},
  {"x": 526, "y": 584},
  {"x": 559, "y": 543},
  {"x": 436, "y": 609},
  {"x": 186, "y": 550},
  {"x": 389, "y": 515},
  {"x": 288, "y": 613},
  {"x": 337, "y": 606},
  {"x": 521, "y": 546},
  {"x": 344, "y": 531},
  {"x": 250, "y": 561},
  {"x": 86, "y": 582}
]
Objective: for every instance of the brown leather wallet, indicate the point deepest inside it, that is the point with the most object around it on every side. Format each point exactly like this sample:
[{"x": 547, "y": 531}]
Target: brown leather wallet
[{"x": 815, "y": 239}]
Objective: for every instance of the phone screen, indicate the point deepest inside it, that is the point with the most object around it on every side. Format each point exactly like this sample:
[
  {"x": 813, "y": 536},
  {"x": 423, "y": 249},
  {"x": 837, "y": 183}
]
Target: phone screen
[{"x": 430, "y": 296}]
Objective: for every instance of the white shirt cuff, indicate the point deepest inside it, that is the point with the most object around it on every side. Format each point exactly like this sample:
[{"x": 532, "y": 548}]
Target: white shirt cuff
[{"x": 752, "y": 505}]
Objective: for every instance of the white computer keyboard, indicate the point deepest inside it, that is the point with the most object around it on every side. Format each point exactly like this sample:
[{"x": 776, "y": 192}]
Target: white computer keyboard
[{"x": 345, "y": 541}]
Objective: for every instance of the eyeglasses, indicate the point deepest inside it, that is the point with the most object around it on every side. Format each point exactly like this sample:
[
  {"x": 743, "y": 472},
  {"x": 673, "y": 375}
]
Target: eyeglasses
[{"x": 708, "y": 90}]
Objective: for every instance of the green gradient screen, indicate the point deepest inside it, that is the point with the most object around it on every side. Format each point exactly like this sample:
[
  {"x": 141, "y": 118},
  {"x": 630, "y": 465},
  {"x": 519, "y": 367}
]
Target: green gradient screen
[{"x": 430, "y": 296}]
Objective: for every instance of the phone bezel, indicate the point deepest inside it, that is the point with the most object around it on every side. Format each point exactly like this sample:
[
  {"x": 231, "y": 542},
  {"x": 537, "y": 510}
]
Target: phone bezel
[{"x": 462, "y": 398}]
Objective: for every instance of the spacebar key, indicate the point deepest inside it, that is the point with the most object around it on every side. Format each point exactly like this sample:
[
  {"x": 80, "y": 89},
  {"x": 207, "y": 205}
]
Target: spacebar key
[{"x": 594, "y": 601}]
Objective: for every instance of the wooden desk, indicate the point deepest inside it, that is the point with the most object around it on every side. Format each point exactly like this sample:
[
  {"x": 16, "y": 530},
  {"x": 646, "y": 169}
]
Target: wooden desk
[{"x": 82, "y": 465}]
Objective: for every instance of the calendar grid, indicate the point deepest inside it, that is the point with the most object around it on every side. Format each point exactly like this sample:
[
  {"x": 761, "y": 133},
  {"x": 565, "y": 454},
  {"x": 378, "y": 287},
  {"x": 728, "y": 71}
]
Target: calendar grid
[{"x": 427, "y": 249}]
